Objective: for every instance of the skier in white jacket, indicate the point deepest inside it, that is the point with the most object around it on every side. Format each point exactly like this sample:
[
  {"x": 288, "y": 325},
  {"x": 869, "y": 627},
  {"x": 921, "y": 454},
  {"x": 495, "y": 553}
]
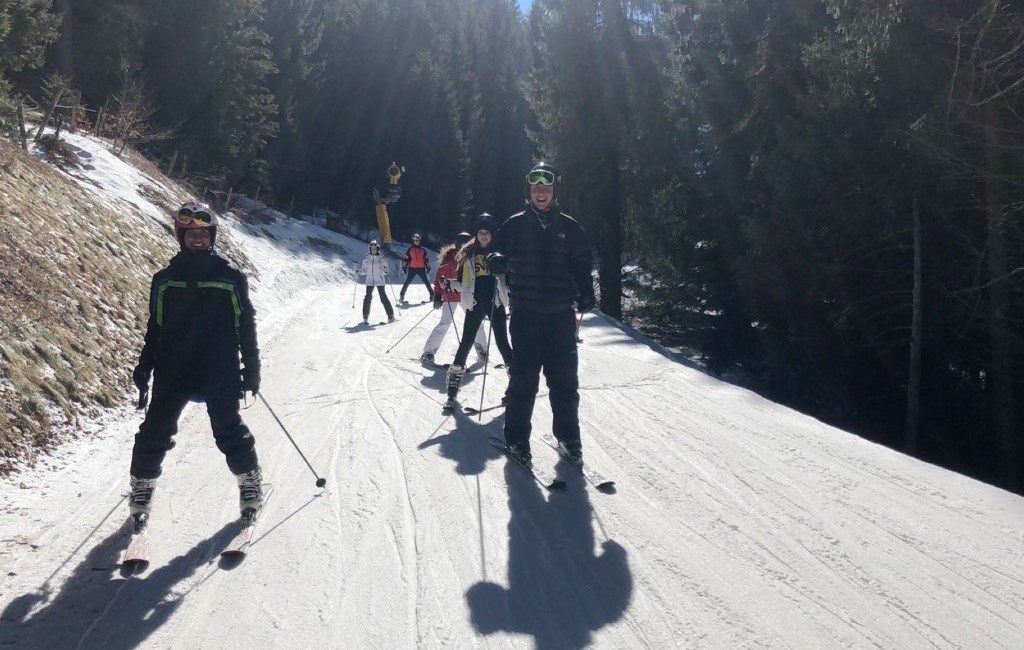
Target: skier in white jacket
[{"x": 374, "y": 271}]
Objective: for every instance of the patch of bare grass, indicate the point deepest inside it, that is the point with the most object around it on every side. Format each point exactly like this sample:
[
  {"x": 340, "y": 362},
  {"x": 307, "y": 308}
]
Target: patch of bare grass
[
  {"x": 327, "y": 247},
  {"x": 74, "y": 277}
]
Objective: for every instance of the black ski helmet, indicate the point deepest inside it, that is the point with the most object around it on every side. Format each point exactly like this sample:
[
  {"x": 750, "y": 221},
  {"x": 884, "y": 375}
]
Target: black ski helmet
[
  {"x": 462, "y": 239},
  {"x": 485, "y": 222}
]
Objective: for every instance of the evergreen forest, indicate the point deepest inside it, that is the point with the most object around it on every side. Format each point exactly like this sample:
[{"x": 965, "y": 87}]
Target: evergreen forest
[{"x": 821, "y": 200}]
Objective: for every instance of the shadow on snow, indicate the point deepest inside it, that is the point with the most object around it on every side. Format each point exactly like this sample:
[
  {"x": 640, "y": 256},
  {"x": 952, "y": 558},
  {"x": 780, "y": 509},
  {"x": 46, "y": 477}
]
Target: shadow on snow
[
  {"x": 96, "y": 608},
  {"x": 559, "y": 590}
]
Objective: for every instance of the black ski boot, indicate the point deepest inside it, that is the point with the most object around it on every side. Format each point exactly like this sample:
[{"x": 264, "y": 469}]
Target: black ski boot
[
  {"x": 141, "y": 496},
  {"x": 572, "y": 450},
  {"x": 521, "y": 452},
  {"x": 454, "y": 381},
  {"x": 250, "y": 493}
]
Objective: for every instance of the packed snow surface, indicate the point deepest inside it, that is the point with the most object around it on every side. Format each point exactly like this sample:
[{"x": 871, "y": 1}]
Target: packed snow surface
[{"x": 737, "y": 522}]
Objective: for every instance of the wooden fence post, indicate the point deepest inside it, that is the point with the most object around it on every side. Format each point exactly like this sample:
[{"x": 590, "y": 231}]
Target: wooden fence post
[
  {"x": 21, "y": 125},
  {"x": 49, "y": 114},
  {"x": 98, "y": 128}
]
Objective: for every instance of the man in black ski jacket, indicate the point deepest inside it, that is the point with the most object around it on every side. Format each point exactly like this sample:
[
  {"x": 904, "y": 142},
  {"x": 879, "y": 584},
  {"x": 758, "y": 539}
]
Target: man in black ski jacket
[
  {"x": 200, "y": 318},
  {"x": 548, "y": 262}
]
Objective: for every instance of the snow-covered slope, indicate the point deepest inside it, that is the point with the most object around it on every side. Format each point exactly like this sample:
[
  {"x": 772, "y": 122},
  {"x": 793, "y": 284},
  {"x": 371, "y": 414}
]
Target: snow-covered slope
[{"x": 737, "y": 522}]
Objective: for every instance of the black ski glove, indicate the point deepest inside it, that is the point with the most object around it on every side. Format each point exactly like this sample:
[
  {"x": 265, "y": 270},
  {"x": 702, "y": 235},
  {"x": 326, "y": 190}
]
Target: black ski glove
[
  {"x": 140, "y": 377},
  {"x": 438, "y": 302},
  {"x": 251, "y": 377},
  {"x": 584, "y": 304}
]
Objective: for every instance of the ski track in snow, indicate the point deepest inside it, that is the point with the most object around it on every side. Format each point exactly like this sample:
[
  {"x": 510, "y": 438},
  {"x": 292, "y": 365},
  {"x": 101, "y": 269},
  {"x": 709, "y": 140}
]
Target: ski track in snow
[{"x": 737, "y": 522}]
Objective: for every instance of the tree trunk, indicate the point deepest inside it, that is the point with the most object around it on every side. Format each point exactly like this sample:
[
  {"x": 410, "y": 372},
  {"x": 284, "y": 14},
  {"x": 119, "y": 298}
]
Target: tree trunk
[
  {"x": 612, "y": 234},
  {"x": 914, "y": 379},
  {"x": 1001, "y": 369},
  {"x": 21, "y": 125}
]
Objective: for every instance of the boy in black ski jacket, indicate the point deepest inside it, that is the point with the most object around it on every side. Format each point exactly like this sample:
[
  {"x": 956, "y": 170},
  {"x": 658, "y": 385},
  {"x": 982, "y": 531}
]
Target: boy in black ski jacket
[
  {"x": 547, "y": 261},
  {"x": 200, "y": 318}
]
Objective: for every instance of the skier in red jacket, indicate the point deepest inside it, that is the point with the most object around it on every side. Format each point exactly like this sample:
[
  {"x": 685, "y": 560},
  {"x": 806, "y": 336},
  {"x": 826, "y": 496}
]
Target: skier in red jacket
[
  {"x": 447, "y": 300},
  {"x": 416, "y": 263}
]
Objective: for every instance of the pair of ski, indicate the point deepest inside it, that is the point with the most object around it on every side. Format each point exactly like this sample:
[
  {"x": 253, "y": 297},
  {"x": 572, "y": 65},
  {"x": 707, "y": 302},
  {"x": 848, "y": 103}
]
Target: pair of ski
[
  {"x": 546, "y": 478},
  {"x": 136, "y": 555}
]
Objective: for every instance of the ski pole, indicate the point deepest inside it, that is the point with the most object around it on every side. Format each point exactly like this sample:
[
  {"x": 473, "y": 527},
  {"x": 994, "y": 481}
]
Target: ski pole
[
  {"x": 355, "y": 287},
  {"x": 393, "y": 297},
  {"x": 409, "y": 332},
  {"x": 451, "y": 310},
  {"x": 320, "y": 482},
  {"x": 483, "y": 389}
]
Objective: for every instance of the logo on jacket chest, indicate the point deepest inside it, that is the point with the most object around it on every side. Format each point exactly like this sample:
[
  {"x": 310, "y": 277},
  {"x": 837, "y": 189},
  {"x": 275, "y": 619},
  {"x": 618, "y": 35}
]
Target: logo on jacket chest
[{"x": 480, "y": 265}]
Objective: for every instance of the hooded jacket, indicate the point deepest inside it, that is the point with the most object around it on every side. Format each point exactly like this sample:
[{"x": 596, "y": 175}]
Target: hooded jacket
[
  {"x": 200, "y": 319},
  {"x": 374, "y": 270},
  {"x": 549, "y": 260}
]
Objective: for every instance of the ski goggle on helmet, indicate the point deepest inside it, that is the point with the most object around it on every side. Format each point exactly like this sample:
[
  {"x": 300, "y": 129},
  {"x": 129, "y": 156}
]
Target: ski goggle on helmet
[
  {"x": 195, "y": 213},
  {"x": 542, "y": 174}
]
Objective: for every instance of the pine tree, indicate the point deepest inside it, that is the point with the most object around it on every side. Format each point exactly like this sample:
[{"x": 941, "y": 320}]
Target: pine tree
[{"x": 208, "y": 66}]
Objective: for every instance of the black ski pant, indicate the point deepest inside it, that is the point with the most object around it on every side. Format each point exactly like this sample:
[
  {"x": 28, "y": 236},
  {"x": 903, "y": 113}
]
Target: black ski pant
[
  {"x": 474, "y": 320},
  {"x": 155, "y": 436},
  {"x": 383, "y": 299},
  {"x": 410, "y": 274},
  {"x": 543, "y": 342}
]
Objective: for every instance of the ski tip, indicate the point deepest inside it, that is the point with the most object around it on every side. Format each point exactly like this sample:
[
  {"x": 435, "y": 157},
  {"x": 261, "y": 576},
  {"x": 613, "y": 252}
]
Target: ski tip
[{"x": 608, "y": 487}]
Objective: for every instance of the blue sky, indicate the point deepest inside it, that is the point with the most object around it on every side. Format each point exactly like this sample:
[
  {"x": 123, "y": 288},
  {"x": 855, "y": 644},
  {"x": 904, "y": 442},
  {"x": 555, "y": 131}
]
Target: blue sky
[{"x": 525, "y": 5}]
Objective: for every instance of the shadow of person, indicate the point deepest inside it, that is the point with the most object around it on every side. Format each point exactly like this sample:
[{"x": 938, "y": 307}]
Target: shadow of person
[
  {"x": 559, "y": 591},
  {"x": 467, "y": 444},
  {"x": 437, "y": 379},
  {"x": 96, "y": 608},
  {"x": 359, "y": 327}
]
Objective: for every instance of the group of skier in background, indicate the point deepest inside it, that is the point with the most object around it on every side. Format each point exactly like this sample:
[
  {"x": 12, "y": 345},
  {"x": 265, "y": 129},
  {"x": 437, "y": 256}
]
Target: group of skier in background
[{"x": 524, "y": 276}]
